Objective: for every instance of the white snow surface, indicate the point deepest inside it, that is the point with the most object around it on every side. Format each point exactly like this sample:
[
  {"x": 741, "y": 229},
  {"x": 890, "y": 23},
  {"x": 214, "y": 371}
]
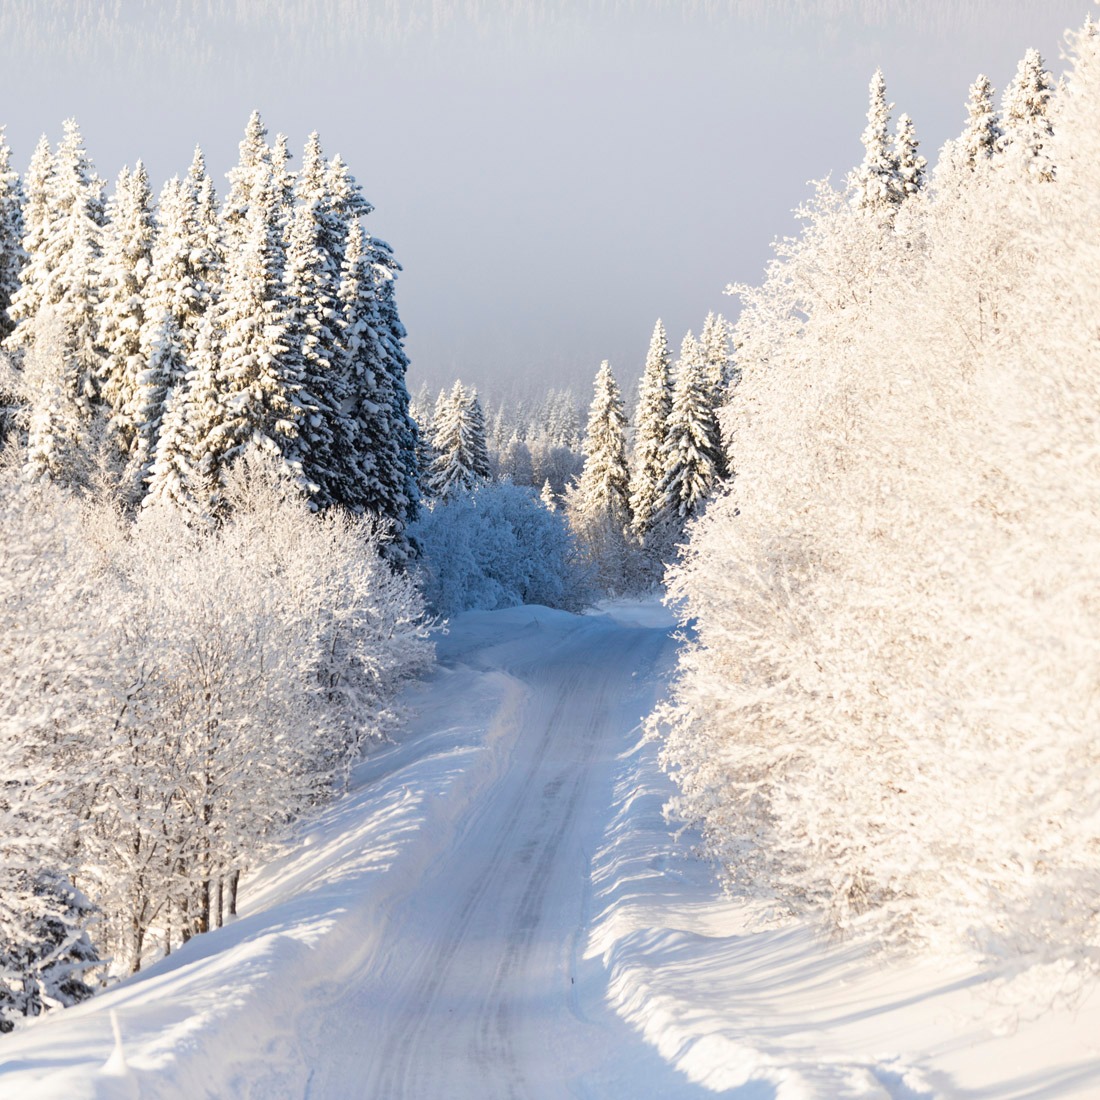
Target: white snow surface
[{"x": 498, "y": 909}]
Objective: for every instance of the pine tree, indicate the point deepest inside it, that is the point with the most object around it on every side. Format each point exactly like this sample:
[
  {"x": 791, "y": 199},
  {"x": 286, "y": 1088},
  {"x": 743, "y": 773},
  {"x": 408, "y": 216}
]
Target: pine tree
[
  {"x": 604, "y": 486},
  {"x": 252, "y": 173},
  {"x": 1025, "y": 118},
  {"x": 39, "y": 201},
  {"x": 312, "y": 288},
  {"x": 911, "y": 165},
  {"x": 876, "y": 183},
  {"x": 12, "y": 255},
  {"x": 242, "y": 352},
  {"x": 980, "y": 140},
  {"x": 650, "y": 429},
  {"x": 598, "y": 505},
  {"x": 692, "y": 455},
  {"x": 462, "y": 457},
  {"x": 127, "y": 267},
  {"x": 187, "y": 267}
]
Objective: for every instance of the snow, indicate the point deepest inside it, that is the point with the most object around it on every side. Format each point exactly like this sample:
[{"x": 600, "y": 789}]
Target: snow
[{"x": 498, "y": 909}]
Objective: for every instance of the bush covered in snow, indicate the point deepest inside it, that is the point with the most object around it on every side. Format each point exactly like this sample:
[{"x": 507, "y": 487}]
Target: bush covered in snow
[
  {"x": 496, "y": 545},
  {"x": 890, "y": 712},
  {"x": 173, "y": 696}
]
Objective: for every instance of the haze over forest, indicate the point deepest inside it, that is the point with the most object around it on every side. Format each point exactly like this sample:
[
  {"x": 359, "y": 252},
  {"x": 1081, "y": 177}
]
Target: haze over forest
[{"x": 552, "y": 177}]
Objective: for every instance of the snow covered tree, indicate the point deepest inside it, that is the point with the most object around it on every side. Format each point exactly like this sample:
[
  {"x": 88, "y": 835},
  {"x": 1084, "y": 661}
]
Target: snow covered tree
[
  {"x": 126, "y": 269},
  {"x": 186, "y": 260},
  {"x": 311, "y": 353},
  {"x": 692, "y": 457},
  {"x": 12, "y": 255},
  {"x": 38, "y": 205},
  {"x": 252, "y": 174},
  {"x": 244, "y": 392},
  {"x": 515, "y": 462},
  {"x": 981, "y": 138},
  {"x": 598, "y": 505},
  {"x": 462, "y": 458},
  {"x": 876, "y": 183},
  {"x": 911, "y": 164},
  {"x": 1026, "y": 124},
  {"x": 60, "y": 283},
  {"x": 650, "y": 430}
]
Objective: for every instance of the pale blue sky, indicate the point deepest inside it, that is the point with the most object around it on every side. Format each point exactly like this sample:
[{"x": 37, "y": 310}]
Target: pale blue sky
[{"x": 552, "y": 176}]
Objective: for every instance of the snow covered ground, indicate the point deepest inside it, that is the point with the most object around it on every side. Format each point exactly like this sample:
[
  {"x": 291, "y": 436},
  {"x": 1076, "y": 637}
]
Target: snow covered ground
[{"x": 498, "y": 910}]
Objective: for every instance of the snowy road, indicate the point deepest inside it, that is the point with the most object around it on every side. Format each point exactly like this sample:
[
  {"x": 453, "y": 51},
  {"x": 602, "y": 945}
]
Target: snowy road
[
  {"x": 482, "y": 989},
  {"x": 497, "y": 909}
]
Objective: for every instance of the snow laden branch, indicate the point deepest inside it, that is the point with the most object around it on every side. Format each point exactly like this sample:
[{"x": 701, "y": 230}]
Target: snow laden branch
[{"x": 888, "y": 716}]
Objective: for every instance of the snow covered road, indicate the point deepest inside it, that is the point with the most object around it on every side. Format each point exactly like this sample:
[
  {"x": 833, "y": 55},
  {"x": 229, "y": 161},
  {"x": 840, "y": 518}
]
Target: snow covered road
[
  {"x": 497, "y": 909},
  {"x": 481, "y": 989}
]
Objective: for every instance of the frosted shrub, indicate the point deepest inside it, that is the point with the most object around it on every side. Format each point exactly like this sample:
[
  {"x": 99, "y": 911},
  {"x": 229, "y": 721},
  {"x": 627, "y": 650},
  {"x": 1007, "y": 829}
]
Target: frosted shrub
[
  {"x": 495, "y": 546},
  {"x": 177, "y": 694}
]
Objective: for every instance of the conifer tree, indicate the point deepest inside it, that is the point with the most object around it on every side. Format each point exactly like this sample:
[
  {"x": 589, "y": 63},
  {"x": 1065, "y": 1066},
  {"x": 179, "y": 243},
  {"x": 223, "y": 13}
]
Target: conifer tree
[
  {"x": 981, "y": 138},
  {"x": 911, "y": 164},
  {"x": 692, "y": 455},
  {"x": 242, "y": 353},
  {"x": 186, "y": 259},
  {"x": 252, "y": 173},
  {"x": 26, "y": 300},
  {"x": 312, "y": 288},
  {"x": 1025, "y": 118},
  {"x": 650, "y": 429},
  {"x": 462, "y": 457},
  {"x": 598, "y": 504},
  {"x": 604, "y": 486},
  {"x": 876, "y": 182},
  {"x": 12, "y": 255},
  {"x": 127, "y": 267}
]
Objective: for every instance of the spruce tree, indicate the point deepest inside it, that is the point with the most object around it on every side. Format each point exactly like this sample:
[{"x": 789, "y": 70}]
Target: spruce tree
[
  {"x": 38, "y": 208},
  {"x": 253, "y": 172},
  {"x": 650, "y": 429},
  {"x": 598, "y": 504},
  {"x": 876, "y": 183},
  {"x": 980, "y": 140},
  {"x": 911, "y": 165},
  {"x": 692, "y": 456},
  {"x": 462, "y": 457},
  {"x": 127, "y": 267},
  {"x": 1025, "y": 119},
  {"x": 12, "y": 255}
]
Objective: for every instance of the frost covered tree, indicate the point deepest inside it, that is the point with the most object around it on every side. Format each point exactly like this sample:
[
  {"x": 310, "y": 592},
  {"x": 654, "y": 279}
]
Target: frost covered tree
[
  {"x": 897, "y": 587},
  {"x": 186, "y": 259},
  {"x": 461, "y": 455},
  {"x": 692, "y": 458},
  {"x": 12, "y": 255},
  {"x": 911, "y": 165},
  {"x": 27, "y": 298},
  {"x": 981, "y": 138},
  {"x": 126, "y": 269},
  {"x": 251, "y": 174},
  {"x": 1026, "y": 123},
  {"x": 60, "y": 289},
  {"x": 598, "y": 505},
  {"x": 650, "y": 430},
  {"x": 876, "y": 183}
]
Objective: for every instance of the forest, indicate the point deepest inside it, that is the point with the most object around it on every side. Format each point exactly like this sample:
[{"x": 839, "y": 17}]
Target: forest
[{"x": 229, "y": 529}]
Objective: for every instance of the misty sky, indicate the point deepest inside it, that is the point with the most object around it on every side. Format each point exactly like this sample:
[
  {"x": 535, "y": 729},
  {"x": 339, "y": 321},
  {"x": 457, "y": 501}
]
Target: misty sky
[{"x": 553, "y": 177}]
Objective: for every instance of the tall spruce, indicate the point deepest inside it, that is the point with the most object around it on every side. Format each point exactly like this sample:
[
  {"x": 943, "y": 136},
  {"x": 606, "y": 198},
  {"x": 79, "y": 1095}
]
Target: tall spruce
[
  {"x": 876, "y": 182},
  {"x": 692, "y": 457},
  {"x": 12, "y": 255},
  {"x": 650, "y": 430},
  {"x": 982, "y": 136},
  {"x": 127, "y": 268},
  {"x": 462, "y": 458},
  {"x": 1026, "y": 123}
]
